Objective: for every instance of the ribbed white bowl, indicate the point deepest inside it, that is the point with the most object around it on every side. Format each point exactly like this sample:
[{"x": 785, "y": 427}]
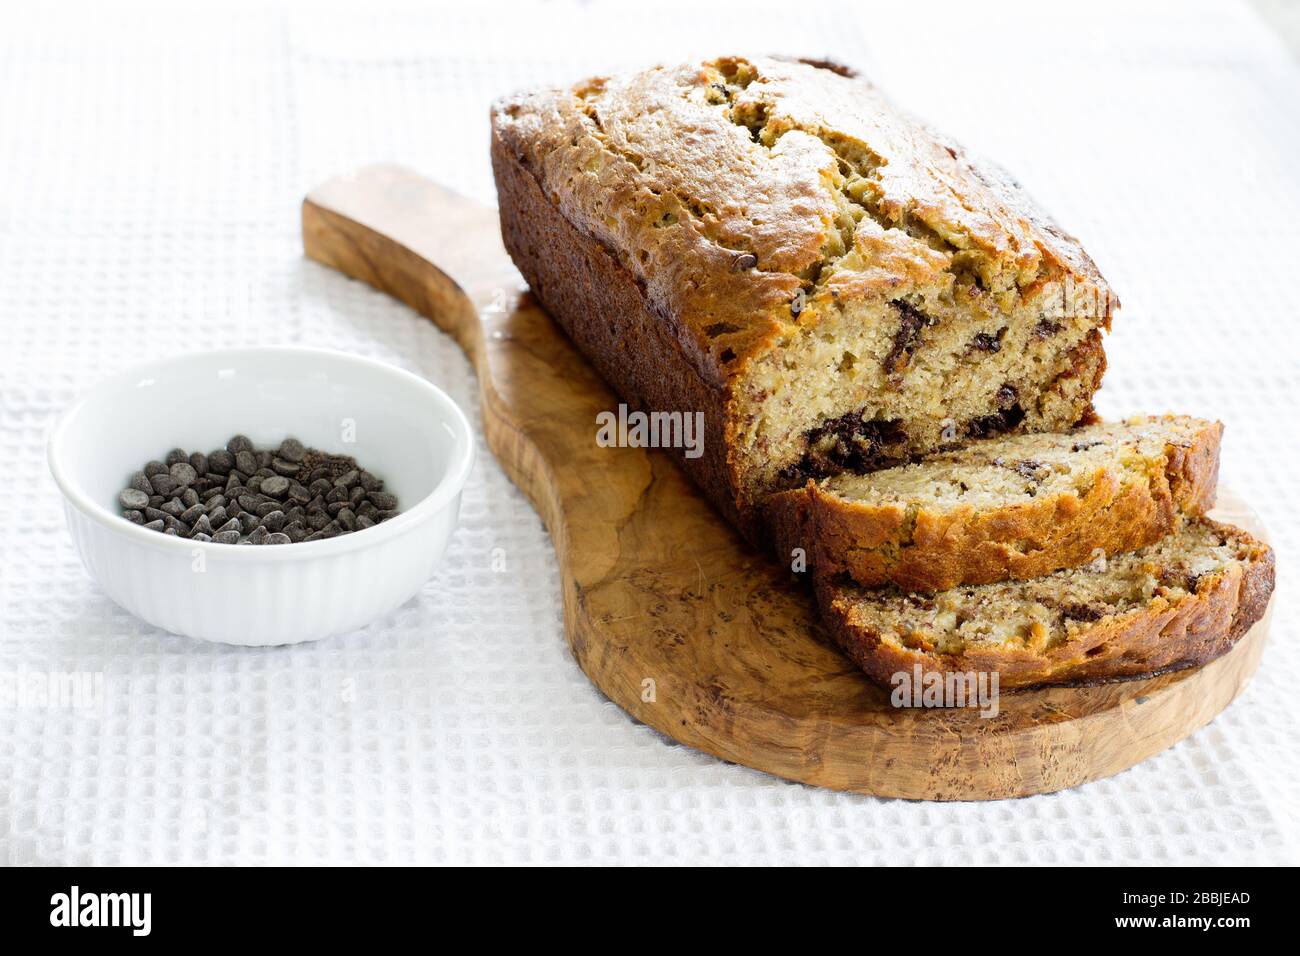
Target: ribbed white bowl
[{"x": 395, "y": 424}]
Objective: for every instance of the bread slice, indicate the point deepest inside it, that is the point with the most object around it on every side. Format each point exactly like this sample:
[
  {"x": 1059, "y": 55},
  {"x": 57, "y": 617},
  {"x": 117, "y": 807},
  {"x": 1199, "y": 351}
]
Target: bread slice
[
  {"x": 1177, "y": 603},
  {"x": 1007, "y": 508},
  {"x": 776, "y": 246}
]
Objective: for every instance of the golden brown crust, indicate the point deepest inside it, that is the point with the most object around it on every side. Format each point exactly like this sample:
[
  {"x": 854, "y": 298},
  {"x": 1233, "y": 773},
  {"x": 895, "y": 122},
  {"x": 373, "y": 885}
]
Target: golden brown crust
[
  {"x": 931, "y": 549},
  {"x": 602, "y": 309},
  {"x": 678, "y": 188},
  {"x": 670, "y": 244},
  {"x": 1168, "y": 633}
]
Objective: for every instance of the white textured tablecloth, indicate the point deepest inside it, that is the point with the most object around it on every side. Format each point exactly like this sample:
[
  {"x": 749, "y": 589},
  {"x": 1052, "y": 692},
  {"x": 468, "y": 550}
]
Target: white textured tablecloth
[{"x": 151, "y": 165}]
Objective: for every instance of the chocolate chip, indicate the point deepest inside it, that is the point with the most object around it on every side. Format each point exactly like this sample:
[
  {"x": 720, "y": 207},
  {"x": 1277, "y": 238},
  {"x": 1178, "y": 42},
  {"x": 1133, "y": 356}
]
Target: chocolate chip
[
  {"x": 846, "y": 443},
  {"x": 1082, "y": 612},
  {"x": 746, "y": 260},
  {"x": 133, "y": 499},
  {"x": 907, "y": 339},
  {"x": 291, "y": 450},
  {"x": 987, "y": 426},
  {"x": 1178, "y": 577},
  {"x": 1030, "y": 469}
]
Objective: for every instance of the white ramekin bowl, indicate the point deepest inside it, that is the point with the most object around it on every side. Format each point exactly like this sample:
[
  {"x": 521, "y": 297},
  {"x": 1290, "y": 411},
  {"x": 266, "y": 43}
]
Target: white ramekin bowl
[{"x": 394, "y": 423}]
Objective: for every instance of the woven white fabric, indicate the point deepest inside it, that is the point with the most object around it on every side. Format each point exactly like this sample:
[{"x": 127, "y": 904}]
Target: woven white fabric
[{"x": 151, "y": 164}]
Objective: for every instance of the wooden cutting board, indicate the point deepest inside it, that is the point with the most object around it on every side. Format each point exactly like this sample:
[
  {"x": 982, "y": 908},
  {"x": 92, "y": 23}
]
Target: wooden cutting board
[{"x": 667, "y": 610}]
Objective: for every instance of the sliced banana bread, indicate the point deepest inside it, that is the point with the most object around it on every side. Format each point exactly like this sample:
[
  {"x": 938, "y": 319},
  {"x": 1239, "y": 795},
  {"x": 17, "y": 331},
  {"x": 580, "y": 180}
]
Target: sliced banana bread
[
  {"x": 1180, "y": 602},
  {"x": 1005, "y": 508},
  {"x": 774, "y": 244}
]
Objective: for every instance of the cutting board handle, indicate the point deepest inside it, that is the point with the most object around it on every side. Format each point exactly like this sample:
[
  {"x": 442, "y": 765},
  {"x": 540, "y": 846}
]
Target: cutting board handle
[{"x": 437, "y": 251}]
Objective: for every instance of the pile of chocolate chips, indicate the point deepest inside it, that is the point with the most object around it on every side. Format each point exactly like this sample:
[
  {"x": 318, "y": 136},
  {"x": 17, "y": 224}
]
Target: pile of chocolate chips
[{"x": 239, "y": 495}]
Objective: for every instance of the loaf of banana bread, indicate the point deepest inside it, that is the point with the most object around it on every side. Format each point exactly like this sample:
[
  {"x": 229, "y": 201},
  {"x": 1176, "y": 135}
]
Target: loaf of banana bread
[
  {"x": 772, "y": 243},
  {"x": 1182, "y": 601},
  {"x": 1004, "y": 508}
]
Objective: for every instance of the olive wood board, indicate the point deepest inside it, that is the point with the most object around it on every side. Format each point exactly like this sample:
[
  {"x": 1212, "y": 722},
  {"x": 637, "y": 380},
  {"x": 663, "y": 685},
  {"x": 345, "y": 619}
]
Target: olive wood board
[{"x": 667, "y": 610}]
